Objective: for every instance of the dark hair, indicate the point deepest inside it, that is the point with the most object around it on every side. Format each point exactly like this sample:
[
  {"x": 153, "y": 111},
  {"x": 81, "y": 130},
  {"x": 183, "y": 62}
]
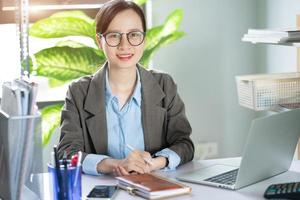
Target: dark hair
[{"x": 110, "y": 9}]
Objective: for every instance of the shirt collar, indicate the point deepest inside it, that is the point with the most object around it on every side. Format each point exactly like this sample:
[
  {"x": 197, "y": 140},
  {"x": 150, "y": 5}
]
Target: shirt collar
[{"x": 136, "y": 94}]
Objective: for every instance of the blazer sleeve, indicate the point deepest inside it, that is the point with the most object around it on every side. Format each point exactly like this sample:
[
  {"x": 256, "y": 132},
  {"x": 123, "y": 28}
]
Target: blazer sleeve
[
  {"x": 178, "y": 126},
  {"x": 71, "y": 139}
]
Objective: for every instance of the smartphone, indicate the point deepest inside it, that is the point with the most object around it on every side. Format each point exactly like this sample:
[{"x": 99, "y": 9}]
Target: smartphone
[{"x": 103, "y": 192}]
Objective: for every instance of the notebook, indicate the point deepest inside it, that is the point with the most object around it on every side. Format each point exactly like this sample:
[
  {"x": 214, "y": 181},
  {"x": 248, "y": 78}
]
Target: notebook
[
  {"x": 269, "y": 151},
  {"x": 151, "y": 186}
]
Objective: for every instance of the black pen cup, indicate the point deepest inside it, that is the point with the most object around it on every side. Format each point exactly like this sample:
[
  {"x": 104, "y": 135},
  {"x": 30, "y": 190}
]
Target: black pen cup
[{"x": 69, "y": 188}]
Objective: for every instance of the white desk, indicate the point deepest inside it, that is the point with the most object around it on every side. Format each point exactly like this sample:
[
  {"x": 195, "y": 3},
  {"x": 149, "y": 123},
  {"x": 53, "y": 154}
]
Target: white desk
[{"x": 198, "y": 191}]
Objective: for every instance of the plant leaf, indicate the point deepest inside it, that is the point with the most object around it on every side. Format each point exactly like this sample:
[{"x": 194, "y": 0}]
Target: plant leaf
[
  {"x": 148, "y": 53},
  {"x": 75, "y": 44},
  {"x": 62, "y": 24},
  {"x": 170, "y": 26},
  {"x": 75, "y": 14},
  {"x": 51, "y": 120},
  {"x": 140, "y": 2},
  {"x": 52, "y": 82},
  {"x": 69, "y": 43},
  {"x": 66, "y": 63}
]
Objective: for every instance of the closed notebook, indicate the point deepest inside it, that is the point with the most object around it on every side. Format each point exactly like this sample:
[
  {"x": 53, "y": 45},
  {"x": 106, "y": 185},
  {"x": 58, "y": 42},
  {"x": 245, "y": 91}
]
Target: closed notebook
[{"x": 151, "y": 186}]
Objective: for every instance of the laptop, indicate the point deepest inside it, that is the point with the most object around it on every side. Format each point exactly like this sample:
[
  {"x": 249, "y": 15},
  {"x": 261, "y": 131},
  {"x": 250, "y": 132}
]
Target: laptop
[{"x": 269, "y": 151}]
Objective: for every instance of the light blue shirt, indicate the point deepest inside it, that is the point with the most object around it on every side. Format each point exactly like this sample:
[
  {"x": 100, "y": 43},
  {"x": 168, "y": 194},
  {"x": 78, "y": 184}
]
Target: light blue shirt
[{"x": 124, "y": 126}]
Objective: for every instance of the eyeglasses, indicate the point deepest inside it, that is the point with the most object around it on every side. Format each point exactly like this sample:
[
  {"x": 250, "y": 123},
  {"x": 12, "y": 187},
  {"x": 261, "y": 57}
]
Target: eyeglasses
[{"x": 113, "y": 39}]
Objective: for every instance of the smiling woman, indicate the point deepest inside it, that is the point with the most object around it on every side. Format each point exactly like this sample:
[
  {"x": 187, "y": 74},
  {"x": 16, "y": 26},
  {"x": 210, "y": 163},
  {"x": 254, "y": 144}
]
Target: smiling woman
[
  {"x": 125, "y": 32},
  {"x": 123, "y": 104}
]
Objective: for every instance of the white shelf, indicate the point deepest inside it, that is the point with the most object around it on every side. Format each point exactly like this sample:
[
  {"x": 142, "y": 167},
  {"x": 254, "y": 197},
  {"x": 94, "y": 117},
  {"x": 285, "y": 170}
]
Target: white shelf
[{"x": 296, "y": 44}]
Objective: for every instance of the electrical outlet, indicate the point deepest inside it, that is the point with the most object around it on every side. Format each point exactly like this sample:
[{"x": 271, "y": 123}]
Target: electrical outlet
[{"x": 205, "y": 150}]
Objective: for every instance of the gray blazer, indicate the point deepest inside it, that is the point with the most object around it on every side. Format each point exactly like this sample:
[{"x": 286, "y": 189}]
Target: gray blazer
[{"x": 165, "y": 125}]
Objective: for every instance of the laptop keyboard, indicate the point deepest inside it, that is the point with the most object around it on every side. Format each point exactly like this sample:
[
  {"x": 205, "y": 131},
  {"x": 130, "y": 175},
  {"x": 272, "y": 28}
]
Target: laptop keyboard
[{"x": 227, "y": 178}]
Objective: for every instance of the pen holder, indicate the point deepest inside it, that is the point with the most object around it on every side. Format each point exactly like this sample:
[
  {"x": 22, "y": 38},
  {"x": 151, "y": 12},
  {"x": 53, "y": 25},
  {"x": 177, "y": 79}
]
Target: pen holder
[{"x": 70, "y": 182}]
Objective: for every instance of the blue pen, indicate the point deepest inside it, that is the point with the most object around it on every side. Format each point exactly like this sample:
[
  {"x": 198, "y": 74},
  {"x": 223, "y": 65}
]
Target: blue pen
[
  {"x": 77, "y": 168},
  {"x": 60, "y": 193},
  {"x": 65, "y": 163}
]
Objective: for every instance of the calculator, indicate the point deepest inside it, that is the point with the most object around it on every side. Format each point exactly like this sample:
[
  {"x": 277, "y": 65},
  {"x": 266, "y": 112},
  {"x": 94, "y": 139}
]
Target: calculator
[{"x": 283, "y": 191}]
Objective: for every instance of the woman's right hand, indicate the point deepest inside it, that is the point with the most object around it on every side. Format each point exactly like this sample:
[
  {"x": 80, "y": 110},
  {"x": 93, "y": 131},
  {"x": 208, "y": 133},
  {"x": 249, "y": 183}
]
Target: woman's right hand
[{"x": 134, "y": 163}]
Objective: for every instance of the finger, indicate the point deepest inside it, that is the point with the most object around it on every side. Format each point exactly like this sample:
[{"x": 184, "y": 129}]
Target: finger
[
  {"x": 117, "y": 172},
  {"x": 136, "y": 160},
  {"x": 136, "y": 168},
  {"x": 123, "y": 170},
  {"x": 140, "y": 163},
  {"x": 146, "y": 154},
  {"x": 146, "y": 157},
  {"x": 147, "y": 169},
  {"x": 114, "y": 172}
]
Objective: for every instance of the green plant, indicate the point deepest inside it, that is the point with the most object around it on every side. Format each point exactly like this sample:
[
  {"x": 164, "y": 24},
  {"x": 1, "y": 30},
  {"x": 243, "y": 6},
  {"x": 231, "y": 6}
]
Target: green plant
[{"x": 69, "y": 59}]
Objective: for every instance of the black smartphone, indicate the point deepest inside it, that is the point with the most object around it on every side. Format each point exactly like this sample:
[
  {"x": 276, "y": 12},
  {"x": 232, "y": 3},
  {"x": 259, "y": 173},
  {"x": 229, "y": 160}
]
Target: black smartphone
[{"x": 103, "y": 192}]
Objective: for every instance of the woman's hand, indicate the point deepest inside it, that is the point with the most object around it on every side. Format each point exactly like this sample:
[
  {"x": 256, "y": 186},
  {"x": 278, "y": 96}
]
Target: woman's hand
[
  {"x": 158, "y": 163},
  {"x": 134, "y": 163}
]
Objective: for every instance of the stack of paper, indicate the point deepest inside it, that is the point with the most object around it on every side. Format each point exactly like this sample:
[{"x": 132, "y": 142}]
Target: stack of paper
[
  {"x": 19, "y": 98},
  {"x": 289, "y": 35}
]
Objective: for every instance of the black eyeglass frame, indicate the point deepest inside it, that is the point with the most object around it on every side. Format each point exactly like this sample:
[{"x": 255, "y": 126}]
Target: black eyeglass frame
[{"x": 104, "y": 35}]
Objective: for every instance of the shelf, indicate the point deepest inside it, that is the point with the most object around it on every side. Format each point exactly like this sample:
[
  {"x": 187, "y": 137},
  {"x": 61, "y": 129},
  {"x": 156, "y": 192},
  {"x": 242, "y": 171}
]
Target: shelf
[{"x": 296, "y": 44}]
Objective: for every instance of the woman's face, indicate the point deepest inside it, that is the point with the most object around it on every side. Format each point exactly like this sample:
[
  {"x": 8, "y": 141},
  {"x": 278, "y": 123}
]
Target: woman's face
[{"x": 123, "y": 55}]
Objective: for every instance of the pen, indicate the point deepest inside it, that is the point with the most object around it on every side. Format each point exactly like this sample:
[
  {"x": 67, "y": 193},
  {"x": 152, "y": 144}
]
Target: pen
[
  {"x": 65, "y": 163},
  {"x": 77, "y": 168},
  {"x": 145, "y": 159},
  {"x": 58, "y": 174}
]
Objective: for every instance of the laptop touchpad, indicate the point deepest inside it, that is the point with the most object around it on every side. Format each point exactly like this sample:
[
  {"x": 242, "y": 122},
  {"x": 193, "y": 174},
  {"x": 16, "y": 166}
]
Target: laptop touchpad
[{"x": 208, "y": 172}]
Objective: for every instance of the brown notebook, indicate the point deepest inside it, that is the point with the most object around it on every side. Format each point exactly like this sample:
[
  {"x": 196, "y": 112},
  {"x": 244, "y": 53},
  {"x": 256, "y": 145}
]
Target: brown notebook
[{"x": 152, "y": 186}]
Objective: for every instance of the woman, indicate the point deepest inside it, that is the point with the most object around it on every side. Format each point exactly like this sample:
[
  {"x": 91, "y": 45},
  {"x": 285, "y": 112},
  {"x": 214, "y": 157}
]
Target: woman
[{"x": 124, "y": 118}]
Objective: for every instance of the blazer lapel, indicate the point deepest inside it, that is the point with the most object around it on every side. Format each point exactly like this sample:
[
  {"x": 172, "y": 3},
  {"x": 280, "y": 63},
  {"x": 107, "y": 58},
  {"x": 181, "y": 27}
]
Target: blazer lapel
[
  {"x": 152, "y": 112},
  {"x": 95, "y": 105}
]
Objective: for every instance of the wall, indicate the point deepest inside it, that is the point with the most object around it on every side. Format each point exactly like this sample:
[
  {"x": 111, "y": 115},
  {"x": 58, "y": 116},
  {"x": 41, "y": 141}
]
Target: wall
[
  {"x": 279, "y": 14},
  {"x": 204, "y": 64},
  {"x": 8, "y": 53}
]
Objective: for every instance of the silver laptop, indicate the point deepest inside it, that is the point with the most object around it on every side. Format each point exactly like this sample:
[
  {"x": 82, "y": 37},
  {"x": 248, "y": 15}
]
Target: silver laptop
[{"x": 269, "y": 151}]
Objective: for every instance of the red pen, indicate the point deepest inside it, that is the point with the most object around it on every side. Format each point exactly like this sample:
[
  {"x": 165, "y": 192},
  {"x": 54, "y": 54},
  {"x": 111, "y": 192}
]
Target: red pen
[{"x": 74, "y": 160}]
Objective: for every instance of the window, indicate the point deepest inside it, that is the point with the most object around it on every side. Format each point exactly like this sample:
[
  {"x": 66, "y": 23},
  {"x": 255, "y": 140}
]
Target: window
[{"x": 9, "y": 49}]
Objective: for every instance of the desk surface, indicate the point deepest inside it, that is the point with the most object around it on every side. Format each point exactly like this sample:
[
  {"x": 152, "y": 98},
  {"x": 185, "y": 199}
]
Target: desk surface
[{"x": 252, "y": 192}]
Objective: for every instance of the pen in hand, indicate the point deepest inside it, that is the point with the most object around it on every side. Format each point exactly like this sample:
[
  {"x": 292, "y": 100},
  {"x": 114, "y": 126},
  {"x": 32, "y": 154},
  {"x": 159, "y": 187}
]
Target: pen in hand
[{"x": 149, "y": 161}]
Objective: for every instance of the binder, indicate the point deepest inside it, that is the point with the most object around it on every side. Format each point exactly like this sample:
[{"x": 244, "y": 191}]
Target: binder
[
  {"x": 11, "y": 99},
  {"x": 20, "y": 157}
]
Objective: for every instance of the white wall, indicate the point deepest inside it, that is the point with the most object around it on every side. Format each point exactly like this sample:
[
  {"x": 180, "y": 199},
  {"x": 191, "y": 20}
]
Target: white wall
[
  {"x": 204, "y": 64},
  {"x": 9, "y": 55},
  {"x": 279, "y": 14}
]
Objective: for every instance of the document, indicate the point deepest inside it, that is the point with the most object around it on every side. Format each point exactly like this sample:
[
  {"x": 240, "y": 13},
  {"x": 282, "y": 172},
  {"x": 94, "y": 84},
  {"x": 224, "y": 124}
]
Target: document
[
  {"x": 30, "y": 93},
  {"x": 19, "y": 98}
]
